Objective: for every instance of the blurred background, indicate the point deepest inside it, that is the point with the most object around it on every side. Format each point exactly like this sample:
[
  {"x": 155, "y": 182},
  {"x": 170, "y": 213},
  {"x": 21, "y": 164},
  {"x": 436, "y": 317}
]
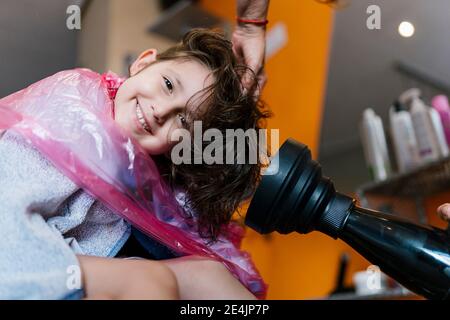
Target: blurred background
[{"x": 324, "y": 67}]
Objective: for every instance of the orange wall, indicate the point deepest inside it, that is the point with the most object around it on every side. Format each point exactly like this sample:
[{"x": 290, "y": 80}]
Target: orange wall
[{"x": 296, "y": 266}]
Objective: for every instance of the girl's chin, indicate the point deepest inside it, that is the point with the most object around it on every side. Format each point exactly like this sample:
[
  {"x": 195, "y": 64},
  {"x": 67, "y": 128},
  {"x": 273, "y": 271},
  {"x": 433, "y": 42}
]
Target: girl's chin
[{"x": 150, "y": 146}]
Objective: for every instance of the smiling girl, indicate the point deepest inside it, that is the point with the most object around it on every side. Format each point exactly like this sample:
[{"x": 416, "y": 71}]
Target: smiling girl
[{"x": 52, "y": 223}]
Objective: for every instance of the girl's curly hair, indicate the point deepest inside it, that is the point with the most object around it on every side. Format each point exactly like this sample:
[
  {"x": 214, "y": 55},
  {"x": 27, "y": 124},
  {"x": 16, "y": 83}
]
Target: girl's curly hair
[{"x": 215, "y": 191}]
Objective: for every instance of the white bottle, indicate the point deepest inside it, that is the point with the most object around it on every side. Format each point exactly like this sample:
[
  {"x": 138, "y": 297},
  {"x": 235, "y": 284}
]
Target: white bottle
[
  {"x": 374, "y": 145},
  {"x": 408, "y": 97},
  {"x": 424, "y": 130},
  {"x": 403, "y": 138}
]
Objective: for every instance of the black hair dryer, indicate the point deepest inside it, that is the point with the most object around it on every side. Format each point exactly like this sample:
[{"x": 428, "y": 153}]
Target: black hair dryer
[{"x": 298, "y": 199}]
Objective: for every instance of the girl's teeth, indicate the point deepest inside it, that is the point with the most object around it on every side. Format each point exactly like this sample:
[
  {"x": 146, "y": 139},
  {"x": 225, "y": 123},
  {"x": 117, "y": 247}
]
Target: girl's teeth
[{"x": 141, "y": 118}]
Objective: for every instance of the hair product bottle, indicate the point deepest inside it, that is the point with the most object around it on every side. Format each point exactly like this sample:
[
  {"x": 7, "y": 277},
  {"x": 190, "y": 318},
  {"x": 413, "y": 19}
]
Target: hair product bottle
[
  {"x": 403, "y": 137},
  {"x": 374, "y": 145},
  {"x": 439, "y": 130},
  {"x": 440, "y": 104},
  {"x": 424, "y": 129}
]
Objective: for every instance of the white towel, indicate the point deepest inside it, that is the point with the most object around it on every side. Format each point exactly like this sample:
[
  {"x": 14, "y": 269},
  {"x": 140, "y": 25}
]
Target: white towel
[{"x": 45, "y": 219}]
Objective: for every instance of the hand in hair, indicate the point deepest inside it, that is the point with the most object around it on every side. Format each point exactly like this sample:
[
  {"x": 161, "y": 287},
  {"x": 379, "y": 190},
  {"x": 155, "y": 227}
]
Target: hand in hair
[
  {"x": 249, "y": 40},
  {"x": 249, "y": 43}
]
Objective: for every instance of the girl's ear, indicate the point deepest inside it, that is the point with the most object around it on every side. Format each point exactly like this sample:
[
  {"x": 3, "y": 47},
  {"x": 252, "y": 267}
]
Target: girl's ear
[{"x": 144, "y": 59}]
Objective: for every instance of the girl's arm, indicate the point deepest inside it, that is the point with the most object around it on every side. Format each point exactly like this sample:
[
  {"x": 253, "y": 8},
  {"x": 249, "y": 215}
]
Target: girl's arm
[
  {"x": 200, "y": 278},
  {"x": 105, "y": 278}
]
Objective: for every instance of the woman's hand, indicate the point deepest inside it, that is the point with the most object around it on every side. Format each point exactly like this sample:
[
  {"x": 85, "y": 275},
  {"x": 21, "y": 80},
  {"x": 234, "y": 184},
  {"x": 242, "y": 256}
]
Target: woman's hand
[
  {"x": 249, "y": 40},
  {"x": 249, "y": 46},
  {"x": 444, "y": 212}
]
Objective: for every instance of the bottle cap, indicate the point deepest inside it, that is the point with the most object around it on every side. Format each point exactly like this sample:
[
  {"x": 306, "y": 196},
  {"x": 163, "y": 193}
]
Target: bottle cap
[
  {"x": 440, "y": 103},
  {"x": 368, "y": 113},
  {"x": 408, "y": 96}
]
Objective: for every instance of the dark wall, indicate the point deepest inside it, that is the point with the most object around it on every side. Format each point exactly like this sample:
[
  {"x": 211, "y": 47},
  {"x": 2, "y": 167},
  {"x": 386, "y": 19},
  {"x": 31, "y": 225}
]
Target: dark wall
[{"x": 34, "y": 41}]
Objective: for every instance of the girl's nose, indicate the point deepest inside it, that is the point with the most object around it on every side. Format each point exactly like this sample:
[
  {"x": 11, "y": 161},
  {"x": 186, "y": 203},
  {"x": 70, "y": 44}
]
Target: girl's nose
[
  {"x": 158, "y": 115},
  {"x": 162, "y": 113}
]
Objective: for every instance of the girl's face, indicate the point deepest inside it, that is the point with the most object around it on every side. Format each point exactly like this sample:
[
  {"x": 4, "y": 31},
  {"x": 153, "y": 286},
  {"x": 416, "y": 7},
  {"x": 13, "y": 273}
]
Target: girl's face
[{"x": 151, "y": 104}]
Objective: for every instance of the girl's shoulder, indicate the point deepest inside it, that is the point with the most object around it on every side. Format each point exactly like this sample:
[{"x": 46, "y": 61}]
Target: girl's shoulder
[
  {"x": 83, "y": 79},
  {"x": 28, "y": 174},
  {"x": 85, "y": 73},
  {"x": 95, "y": 87}
]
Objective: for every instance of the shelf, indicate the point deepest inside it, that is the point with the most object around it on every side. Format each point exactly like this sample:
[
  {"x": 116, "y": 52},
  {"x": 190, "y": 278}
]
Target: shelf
[{"x": 422, "y": 181}]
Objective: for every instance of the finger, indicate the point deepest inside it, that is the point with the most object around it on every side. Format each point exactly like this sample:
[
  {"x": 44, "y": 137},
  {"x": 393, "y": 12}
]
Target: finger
[
  {"x": 258, "y": 74},
  {"x": 247, "y": 81},
  {"x": 246, "y": 78},
  {"x": 237, "y": 51},
  {"x": 255, "y": 65},
  {"x": 444, "y": 211},
  {"x": 262, "y": 79}
]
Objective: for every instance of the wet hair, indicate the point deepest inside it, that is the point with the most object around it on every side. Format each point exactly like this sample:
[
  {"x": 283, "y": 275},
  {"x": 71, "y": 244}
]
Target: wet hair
[{"x": 215, "y": 191}]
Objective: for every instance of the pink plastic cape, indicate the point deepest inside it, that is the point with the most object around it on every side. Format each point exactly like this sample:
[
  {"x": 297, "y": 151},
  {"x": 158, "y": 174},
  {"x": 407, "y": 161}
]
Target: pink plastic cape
[{"x": 69, "y": 118}]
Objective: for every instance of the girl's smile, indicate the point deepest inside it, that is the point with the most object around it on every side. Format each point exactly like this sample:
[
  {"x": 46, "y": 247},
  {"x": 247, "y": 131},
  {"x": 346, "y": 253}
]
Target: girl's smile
[{"x": 142, "y": 121}]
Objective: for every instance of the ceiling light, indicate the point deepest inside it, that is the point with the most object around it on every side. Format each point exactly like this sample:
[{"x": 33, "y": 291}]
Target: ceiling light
[{"x": 406, "y": 29}]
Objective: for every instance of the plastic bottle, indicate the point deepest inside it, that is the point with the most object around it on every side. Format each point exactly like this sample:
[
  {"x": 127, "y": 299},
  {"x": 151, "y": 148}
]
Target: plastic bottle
[
  {"x": 403, "y": 137},
  {"x": 440, "y": 104},
  {"x": 439, "y": 130},
  {"x": 424, "y": 129},
  {"x": 429, "y": 130},
  {"x": 374, "y": 145}
]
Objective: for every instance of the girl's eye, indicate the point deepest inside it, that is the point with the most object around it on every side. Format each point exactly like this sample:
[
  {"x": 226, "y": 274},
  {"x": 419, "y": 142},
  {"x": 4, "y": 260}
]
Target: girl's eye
[
  {"x": 168, "y": 84},
  {"x": 182, "y": 118}
]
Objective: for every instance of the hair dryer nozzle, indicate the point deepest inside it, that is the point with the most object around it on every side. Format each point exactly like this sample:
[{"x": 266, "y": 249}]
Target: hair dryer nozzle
[{"x": 297, "y": 197}]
